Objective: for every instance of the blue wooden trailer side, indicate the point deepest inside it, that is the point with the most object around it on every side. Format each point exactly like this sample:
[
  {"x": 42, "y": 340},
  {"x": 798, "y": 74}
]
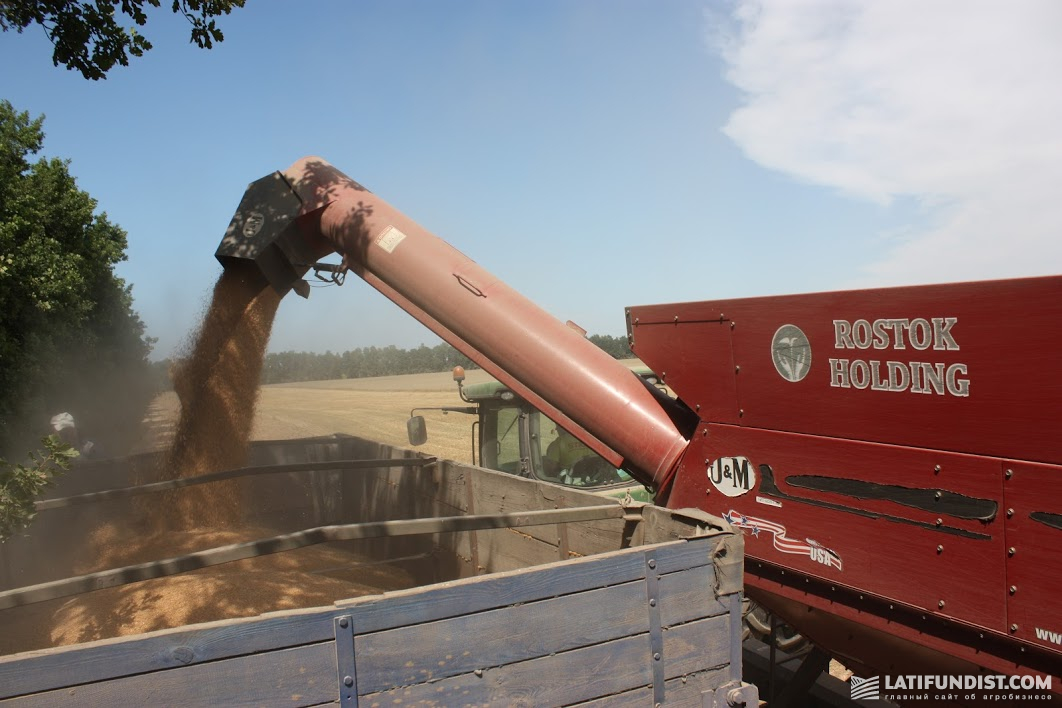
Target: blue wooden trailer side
[{"x": 644, "y": 608}]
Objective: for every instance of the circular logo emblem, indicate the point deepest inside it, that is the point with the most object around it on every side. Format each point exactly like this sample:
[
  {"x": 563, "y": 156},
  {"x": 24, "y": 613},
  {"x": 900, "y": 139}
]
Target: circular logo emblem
[
  {"x": 791, "y": 352},
  {"x": 733, "y": 476},
  {"x": 253, "y": 224}
]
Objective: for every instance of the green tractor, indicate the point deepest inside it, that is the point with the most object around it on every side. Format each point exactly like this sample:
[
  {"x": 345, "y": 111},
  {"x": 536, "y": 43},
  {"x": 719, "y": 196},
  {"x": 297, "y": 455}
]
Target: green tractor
[{"x": 510, "y": 435}]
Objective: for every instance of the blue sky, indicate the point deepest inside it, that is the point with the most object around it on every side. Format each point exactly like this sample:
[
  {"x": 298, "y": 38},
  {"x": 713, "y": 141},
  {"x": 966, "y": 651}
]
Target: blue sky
[{"x": 593, "y": 154}]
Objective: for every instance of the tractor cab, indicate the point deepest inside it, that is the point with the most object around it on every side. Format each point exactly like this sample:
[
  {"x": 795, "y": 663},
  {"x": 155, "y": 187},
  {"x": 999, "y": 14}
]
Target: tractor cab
[{"x": 510, "y": 435}]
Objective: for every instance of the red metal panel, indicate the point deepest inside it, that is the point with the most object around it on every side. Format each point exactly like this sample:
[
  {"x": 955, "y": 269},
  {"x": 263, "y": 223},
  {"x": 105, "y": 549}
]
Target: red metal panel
[
  {"x": 882, "y": 519},
  {"x": 694, "y": 358},
  {"x": 968, "y": 367},
  {"x": 1033, "y": 496}
]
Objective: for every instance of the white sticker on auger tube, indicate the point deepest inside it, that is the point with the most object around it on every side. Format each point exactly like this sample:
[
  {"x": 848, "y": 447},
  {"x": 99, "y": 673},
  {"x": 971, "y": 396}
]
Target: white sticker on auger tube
[{"x": 390, "y": 239}]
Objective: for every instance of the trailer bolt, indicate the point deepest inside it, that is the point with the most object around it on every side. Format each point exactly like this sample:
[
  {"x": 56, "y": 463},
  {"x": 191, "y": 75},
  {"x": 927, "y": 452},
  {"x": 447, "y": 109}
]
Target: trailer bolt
[
  {"x": 736, "y": 697},
  {"x": 1011, "y": 551},
  {"x": 1013, "y": 589},
  {"x": 656, "y": 656},
  {"x": 652, "y": 602},
  {"x": 741, "y": 412},
  {"x": 348, "y": 681},
  {"x": 940, "y": 604},
  {"x": 676, "y": 319},
  {"x": 936, "y": 469},
  {"x": 1008, "y": 474},
  {"x": 940, "y": 549},
  {"x": 478, "y": 672},
  {"x": 1010, "y": 512},
  {"x": 937, "y": 495},
  {"x": 733, "y": 324},
  {"x": 940, "y": 521},
  {"x": 1014, "y": 628},
  {"x": 652, "y": 562},
  {"x": 737, "y": 369},
  {"x": 343, "y": 622}
]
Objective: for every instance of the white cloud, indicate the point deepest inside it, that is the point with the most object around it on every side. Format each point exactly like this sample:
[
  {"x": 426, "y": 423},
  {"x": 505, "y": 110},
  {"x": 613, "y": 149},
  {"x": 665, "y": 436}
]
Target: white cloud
[{"x": 957, "y": 103}]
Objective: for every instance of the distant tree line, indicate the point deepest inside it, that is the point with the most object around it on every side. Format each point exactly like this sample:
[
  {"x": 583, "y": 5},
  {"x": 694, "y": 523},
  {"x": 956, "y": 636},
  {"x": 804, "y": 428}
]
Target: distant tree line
[{"x": 289, "y": 367}]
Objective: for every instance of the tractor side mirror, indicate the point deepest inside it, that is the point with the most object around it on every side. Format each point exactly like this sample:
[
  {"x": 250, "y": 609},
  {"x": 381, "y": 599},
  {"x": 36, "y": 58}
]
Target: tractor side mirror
[{"x": 417, "y": 430}]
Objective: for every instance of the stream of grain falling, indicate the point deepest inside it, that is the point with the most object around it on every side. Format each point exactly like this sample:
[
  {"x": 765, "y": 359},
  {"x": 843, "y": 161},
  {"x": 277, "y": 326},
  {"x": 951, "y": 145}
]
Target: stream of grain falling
[{"x": 218, "y": 389}]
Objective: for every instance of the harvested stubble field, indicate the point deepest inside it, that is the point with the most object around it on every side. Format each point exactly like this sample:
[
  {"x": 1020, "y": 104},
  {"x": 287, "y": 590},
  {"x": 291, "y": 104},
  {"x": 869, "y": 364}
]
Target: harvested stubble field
[{"x": 373, "y": 408}]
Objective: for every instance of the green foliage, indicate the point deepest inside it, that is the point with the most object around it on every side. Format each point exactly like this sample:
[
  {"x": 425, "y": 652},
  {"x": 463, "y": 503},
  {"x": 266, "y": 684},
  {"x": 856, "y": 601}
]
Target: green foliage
[
  {"x": 89, "y": 37},
  {"x": 617, "y": 347},
  {"x": 69, "y": 338},
  {"x": 20, "y": 485}
]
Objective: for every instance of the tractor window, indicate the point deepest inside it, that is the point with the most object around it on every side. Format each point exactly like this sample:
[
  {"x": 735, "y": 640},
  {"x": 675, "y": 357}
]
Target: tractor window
[
  {"x": 508, "y": 440},
  {"x": 559, "y": 457}
]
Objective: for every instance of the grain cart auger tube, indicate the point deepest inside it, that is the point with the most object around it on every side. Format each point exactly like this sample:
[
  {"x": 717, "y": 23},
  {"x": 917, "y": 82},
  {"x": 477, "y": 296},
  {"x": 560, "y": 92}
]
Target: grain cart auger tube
[{"x": 289, "y": 219}]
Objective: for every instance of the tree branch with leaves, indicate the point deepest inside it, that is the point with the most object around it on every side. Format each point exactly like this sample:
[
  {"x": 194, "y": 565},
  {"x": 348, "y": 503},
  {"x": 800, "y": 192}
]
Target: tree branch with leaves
[
  {"x": 90, "y": 36},
  {"x": 21, "y": 485}
]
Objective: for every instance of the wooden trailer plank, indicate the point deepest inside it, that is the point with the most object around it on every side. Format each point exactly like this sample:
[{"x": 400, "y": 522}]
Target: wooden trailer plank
[
  {"x": 405, "y": 607},
  {"x": 434, "y": 650},
  {"x": 168, "y": 649},
  {"x": 688, "y": 595},
  {"x": 68, "y": 666},
  {"x": 482, "y": 593},
  {"x": 697, "y": 646},
  {"x": 338, "y": 466},
  {"x": 682, "y": 692},
  {"x": 504, "y": 493},
  {"x": 569, "y": 677},
  {"x": 510, "y": 549},
  {"x": 297, "y": 677},
  {"x": 428, "y": 652}
]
